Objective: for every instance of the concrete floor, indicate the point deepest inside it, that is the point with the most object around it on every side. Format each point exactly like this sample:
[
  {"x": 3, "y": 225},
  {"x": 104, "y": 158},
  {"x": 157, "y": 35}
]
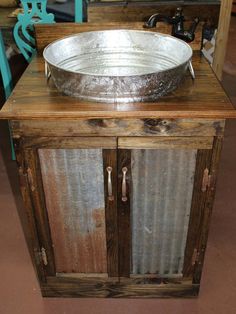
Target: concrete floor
[{"x": 19, "y": 290}]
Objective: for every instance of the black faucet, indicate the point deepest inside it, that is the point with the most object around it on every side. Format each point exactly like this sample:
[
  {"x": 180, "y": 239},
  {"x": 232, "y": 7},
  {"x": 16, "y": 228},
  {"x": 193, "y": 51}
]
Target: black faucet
[{"x": 178, "y": 24}]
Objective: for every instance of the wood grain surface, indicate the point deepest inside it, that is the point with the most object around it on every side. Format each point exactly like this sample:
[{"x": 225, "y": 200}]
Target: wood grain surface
[
  {"x": 197, "y": 212},
  {"x": 101, "y": 12},
  {"x": 110, "y": 160},
  {"x": 27, "y": 215},
  {"x": 117, "y": 127},
  {"x": 222, "y": 38},
  {"x": 68, "y": 142},
  {"x": 165, "y": 142},
  {"x": 206, "y": 214},
  {"x": 74, "y": 195},
  {"x": 124, "y": 215},
  {"x": 46, "y": 33},
  {"x": 103, "y": 288},
  {"x": 43, "y": 117},
  {"x": 39, "y": 207}
]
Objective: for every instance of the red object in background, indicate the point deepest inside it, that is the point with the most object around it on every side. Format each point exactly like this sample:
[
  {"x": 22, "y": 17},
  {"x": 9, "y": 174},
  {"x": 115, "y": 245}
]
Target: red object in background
[{"x": 234, "y": 7}]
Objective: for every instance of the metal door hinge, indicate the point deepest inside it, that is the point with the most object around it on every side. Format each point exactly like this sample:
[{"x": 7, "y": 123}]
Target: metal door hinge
[
  {"x": 43, "y": 256},
  {"x": 22, "y": 177},
  {"x": 26, "y": 173},
  {"x": 195, "y": 257},
  {"x": 206, "y": 180},
  {"x": 30, "y": 179}
]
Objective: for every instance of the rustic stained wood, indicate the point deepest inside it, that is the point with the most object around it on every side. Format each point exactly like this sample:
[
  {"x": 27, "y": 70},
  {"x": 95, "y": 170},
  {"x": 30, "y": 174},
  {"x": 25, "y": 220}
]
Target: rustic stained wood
[
  {"x": 118, "y": 127},
  {"x": 68, "y": 142},
  {"x": 101, "y": 12},
  {"x": 222, "y": 37},
  {"x": 39, "y": 206},
  {"x": 43, "y": 118},
  {"x": 165, "y": 142},
  {"x": 197, "y": 212},
  {"x": 46, "y": 33},
  {"x": 124, "y": 160},
  {"x": 74, "y": 193},
  {"x": 30, "y": 228},
  {"x": 58, "y": 288},
  {"x": 110, "y": 160},
  {"x": 82, "y": 275},
  {"x": 206, "y": 215},
  {"x": 102, "y": 288},
  {"x": 151, "y": 279},
  {"x": 34, "y": 98}
]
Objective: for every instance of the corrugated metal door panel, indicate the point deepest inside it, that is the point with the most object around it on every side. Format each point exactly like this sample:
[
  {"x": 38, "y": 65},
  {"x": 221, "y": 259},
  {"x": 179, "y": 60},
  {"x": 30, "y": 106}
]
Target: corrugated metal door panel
[
  {"x": 161, "y": 194},
  {"x": 74, "y": 193}
]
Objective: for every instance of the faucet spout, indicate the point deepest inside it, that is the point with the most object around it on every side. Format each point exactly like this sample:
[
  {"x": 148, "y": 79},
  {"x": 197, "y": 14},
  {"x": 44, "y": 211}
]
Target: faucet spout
[{"x": 152, "y": 21}]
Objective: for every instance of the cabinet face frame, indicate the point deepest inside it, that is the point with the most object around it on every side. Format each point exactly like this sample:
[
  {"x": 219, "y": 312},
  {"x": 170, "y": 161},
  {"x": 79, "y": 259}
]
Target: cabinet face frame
[{"x": 27, "y": 157}]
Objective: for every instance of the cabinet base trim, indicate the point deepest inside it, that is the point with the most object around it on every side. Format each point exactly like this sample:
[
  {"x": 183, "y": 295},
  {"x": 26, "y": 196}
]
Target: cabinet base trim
[
  {"x": 81, "y": 275},
  {"x": 111, "y": 288}
]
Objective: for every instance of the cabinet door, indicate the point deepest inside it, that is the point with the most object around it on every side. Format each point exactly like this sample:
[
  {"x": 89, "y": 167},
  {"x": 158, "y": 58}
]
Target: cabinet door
[
  {"x": 73, "y": 189},
  {"x": 160, "y": 187}
]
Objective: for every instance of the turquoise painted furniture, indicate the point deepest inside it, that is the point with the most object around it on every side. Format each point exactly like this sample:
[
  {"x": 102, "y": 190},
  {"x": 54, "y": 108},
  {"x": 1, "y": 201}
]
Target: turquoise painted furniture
[
  {"x": 24, "y": 40},
  {"x": 5, "y": 69},
  {"x": 34, "y": 12},
  {"x": 78, "y": 11}
]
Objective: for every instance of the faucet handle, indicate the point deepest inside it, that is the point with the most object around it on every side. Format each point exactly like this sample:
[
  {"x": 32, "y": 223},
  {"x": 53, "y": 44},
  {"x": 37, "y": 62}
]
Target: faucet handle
[
  {"x": 186, "y": 35},
  {"x": 177, "y": 22},
  {"x": 193, "y": 27},
  {"x": 179, "y": 12}
]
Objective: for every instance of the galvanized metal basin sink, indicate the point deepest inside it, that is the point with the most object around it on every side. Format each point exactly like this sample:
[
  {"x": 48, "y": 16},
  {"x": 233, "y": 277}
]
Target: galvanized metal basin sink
[{"x": 117, "y": 65}]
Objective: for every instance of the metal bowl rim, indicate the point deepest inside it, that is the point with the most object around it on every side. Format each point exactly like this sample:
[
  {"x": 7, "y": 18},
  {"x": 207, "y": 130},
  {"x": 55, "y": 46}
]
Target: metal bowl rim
[{"x": 118, "y": 76}]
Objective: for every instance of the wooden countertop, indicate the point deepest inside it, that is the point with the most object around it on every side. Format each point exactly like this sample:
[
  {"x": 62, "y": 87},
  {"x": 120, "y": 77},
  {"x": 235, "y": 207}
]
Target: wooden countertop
[{"x": 34, "y": 98}]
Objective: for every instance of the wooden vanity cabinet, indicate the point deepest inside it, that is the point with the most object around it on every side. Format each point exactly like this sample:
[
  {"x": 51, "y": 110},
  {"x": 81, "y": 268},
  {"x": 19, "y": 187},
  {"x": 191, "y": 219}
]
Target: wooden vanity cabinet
[
  {"x": 118, "y": 216},
  {"x": 117, "y": 196}
]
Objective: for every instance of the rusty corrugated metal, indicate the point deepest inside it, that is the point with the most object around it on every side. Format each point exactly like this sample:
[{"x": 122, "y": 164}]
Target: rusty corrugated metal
[
  {"x": 162, "y": 185},
  {"x": 74, "y": 192}
]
